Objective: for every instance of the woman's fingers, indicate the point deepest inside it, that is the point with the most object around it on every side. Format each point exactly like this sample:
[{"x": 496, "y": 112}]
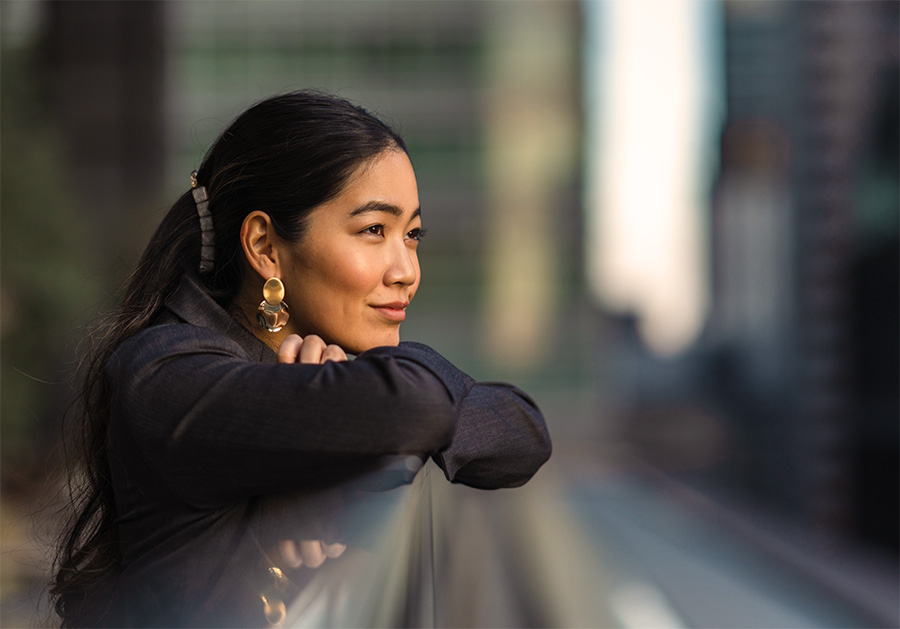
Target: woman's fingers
[
  {"x": 310, "y": 350},
  {"x": 312, "y": 553},
  {"x": 333, "y": 551},
  {"x": 290, "y": 554},
  {"x": 289, "y": 350},
  {"x": 335, "y": 353}
]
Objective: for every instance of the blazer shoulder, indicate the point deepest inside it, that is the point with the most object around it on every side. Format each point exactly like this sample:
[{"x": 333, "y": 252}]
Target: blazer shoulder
[{"x": 176, "y": 339}]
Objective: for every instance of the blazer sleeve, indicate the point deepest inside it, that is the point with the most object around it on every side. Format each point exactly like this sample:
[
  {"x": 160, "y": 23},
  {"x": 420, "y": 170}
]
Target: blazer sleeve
[
  {"x": 501, "y": 438},
  {"x": 216, "y": 426}
]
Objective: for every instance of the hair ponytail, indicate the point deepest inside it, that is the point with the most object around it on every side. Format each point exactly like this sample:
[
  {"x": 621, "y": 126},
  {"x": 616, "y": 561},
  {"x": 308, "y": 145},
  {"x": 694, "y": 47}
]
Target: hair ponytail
[{"x": 88, "y": 558}]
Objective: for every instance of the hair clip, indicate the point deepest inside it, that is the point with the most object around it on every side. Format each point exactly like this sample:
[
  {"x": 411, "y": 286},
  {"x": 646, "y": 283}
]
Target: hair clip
[{"x": 207, "y": 233}]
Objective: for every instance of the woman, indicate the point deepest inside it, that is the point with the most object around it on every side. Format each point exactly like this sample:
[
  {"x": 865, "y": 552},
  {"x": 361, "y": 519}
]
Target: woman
[{"x": 221, "y": 397}]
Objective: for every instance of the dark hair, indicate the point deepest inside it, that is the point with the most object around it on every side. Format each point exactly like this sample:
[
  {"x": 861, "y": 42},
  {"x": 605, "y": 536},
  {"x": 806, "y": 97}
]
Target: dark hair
[{"x": 285, "y": 156}]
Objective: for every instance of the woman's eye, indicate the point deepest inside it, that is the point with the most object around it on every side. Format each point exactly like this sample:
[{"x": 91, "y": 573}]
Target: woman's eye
[
  {"x": 378, "y": 230},
  {"x": 417, "y": 234}
]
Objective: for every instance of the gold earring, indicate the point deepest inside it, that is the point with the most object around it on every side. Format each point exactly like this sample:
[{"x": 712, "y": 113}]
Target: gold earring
[{"x": 272, "y": 313}]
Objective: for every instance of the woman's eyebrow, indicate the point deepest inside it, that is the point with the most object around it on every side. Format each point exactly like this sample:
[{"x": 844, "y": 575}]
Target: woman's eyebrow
[{"x": 380, "y": 206}]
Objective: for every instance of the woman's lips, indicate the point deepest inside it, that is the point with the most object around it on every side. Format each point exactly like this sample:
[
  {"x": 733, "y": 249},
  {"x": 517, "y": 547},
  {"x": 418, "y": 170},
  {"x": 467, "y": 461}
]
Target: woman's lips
[{"x": 392, "y": 312}]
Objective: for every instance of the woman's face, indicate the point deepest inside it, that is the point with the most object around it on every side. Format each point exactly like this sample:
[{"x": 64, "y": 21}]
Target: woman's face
[{"x": 352, "y": 275}]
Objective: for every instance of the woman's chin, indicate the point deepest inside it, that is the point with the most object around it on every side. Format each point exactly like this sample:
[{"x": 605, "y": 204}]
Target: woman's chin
[{"x": 384, "y": 341}]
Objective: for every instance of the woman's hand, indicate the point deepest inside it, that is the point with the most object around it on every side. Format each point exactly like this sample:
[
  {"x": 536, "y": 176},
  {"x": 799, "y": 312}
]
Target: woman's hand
[
  {"x": 310, "y": 350},
  {"x": 310, "y": 553}
]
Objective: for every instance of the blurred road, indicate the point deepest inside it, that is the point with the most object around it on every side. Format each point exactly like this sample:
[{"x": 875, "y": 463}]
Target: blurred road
[{"x": 632, "y": 548}]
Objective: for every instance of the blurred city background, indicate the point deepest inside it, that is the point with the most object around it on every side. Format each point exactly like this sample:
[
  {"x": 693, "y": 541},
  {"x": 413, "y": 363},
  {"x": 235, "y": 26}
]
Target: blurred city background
[{"x": 674, "y": 222}]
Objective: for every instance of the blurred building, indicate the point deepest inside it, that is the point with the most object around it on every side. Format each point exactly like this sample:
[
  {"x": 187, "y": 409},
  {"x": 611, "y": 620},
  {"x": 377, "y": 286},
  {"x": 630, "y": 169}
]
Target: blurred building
[
  {"x": 101, "y": 68},
  {"x": 485, "y": 94},
  {"x": 804, "y": 324}
]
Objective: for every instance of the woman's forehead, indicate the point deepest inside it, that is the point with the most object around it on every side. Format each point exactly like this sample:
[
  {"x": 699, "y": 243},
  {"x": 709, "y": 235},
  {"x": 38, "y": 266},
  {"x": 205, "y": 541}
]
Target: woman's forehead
[{"x": 386, "y": 185}]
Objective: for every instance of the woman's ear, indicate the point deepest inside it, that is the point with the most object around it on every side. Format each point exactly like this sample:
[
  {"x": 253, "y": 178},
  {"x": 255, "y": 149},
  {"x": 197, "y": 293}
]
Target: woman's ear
[{"x": 259, "y": 242}]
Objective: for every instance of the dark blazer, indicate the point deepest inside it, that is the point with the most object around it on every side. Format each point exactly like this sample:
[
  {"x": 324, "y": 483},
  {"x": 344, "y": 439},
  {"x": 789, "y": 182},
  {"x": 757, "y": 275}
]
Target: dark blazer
[{"x": 212, "y": 444}]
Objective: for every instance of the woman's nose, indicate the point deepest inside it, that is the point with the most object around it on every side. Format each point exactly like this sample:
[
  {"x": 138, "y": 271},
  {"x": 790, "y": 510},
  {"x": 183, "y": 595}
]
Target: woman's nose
[{"x": 402, "y": 267}]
